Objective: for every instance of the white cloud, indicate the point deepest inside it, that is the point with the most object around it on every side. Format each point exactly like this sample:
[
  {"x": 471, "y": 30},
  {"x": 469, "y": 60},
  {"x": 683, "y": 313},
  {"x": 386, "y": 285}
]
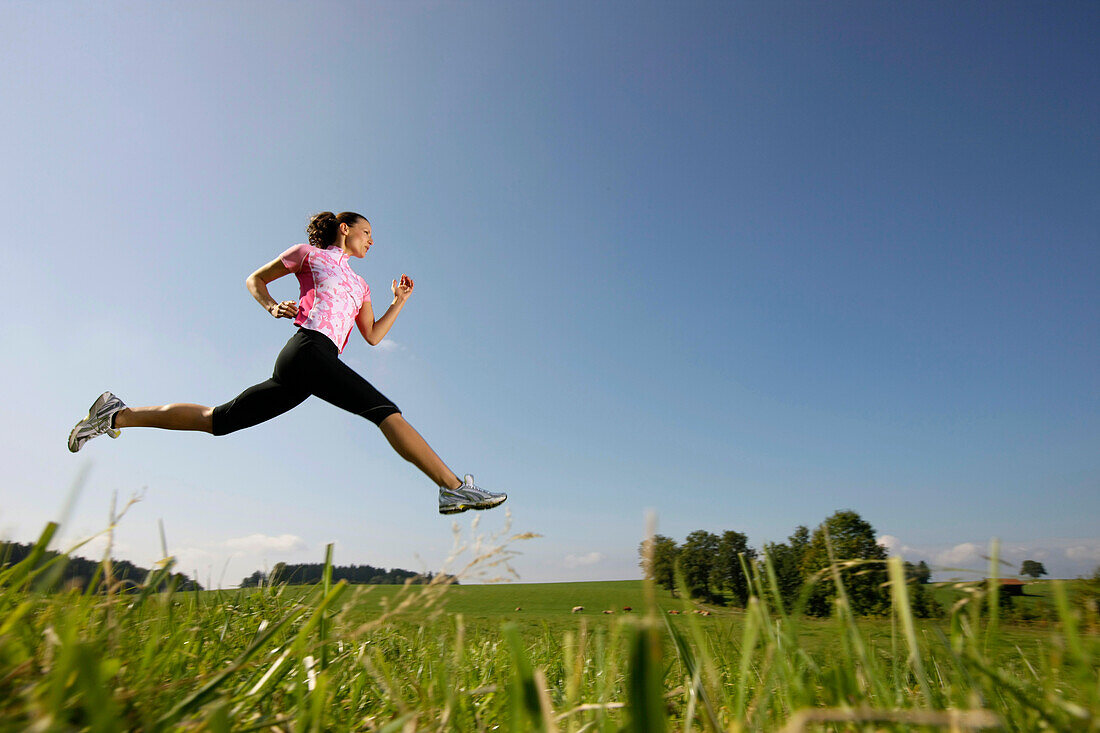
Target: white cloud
[
  {"x": 193, "y": 557},
  {"x": 1088, "y": 551},
  {"x": 1063, "y": 557},
  {"x": 258, "y": 543},
  {"x": 389, "y": 345},
  {"x": 576, "y": 561},
  {"x": 966, "y": 555},
  {"x": 891, "y": 543},
  {"x": 91, "y": 547}
]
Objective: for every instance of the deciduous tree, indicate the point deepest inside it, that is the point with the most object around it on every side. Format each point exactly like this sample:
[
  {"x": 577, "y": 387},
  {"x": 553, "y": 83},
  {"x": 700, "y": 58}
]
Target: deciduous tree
[
  {"x": 786, "y": 560},
  {"x": 662, "y": 568},
  {"x": 919, "y": 573},
  {"x": 921, "y": 601},
  {"x": 1032, "y": 568},
  {"x": 729, "y": 575},
  {"x": 851, "y": 538},
  {"x": 697, "y": 558}
]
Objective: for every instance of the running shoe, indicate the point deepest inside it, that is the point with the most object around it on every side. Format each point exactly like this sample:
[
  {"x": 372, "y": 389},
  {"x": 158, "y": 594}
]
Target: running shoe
[
  {"x": 99, "y": 419},
  {"x": 467, "y": 496}
]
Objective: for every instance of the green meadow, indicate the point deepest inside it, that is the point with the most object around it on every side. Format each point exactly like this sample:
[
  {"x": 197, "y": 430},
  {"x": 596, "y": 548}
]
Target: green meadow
[{"x": 445, "y": 657}]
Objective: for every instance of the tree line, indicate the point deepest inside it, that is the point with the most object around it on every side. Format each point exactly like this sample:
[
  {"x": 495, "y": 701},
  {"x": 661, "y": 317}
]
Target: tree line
[
  {"x": 311, "y": 573},
  {"x": 79, "y": 572},
  {"x": 712, "y": 567}
]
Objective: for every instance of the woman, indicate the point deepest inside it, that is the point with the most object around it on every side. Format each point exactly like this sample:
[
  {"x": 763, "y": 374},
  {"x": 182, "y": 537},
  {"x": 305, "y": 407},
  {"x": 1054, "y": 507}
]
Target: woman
[{"x": 333, "y": 298}]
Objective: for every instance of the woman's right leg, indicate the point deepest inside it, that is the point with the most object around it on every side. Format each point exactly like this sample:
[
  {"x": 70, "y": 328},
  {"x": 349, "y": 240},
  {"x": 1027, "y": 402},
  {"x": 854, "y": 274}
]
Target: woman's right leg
[
  {"x": 338, "y": 384},
  {"x": 169, "y": 417},
  {"x": 258, "y": 403},
  {"x": 255, "y": 405},
  {"x": 411, "y": 446}
]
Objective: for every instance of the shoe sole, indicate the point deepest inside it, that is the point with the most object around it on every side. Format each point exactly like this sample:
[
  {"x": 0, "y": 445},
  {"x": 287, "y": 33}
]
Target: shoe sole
[
  {"x": 75, "y": 447},
  {"x": 459, "y": 508},
  {"x": 75, "y": 444}
]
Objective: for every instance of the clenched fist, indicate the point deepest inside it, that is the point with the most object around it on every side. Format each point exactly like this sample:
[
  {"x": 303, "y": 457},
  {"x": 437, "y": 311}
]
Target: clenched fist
[{"x": 403, "y": 289}]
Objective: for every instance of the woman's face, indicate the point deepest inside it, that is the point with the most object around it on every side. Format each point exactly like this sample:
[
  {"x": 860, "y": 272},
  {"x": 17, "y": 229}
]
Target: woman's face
[{"x": 358, "y": 238}]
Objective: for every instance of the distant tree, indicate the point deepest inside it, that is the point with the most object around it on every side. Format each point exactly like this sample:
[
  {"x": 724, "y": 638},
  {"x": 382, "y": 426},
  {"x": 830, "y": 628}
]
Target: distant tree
[
  {"x": 786, "y": 560},
  {"x": 72, "y": 571},
  {"x": 851, "y": 538},
  {"x": 697, "y": 562},
  {"x": 919, "y": 573},
  {"x": 311, "y": 573},
  {"x": 800, "y": 539},
  {"x": 728, "y": 573},
  {"x": 1032, "y": 569},
  {"x": 662, "y": 570},
  {"x": 921, "y": 601},
  {"x": 255, "y": 580}
]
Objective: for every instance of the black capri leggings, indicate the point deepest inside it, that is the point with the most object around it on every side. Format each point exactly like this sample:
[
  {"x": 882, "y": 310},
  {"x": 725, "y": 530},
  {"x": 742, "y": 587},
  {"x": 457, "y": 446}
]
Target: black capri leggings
[{"x": 308, "y": 364}]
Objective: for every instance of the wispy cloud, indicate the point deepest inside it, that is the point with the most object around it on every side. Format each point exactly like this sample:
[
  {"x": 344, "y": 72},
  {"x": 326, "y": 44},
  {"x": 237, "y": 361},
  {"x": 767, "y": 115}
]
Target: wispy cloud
[
  {"x": 892, "y": 544},
  {"x": 963, "y": 555},
  {"x": 390, "y": 345},
  {"x": 221, "y": 562},
  {"x": 91, "y": 548},
  {"x": 257, "y": 543},
  {"x": 1063, "y": 557},
  {"x": 576, "y": 561},
  {"x": 1085, "y": 552}
]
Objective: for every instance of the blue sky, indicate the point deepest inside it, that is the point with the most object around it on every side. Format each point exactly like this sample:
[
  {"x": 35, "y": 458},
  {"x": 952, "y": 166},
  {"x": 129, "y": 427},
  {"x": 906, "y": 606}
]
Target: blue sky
[{"x": 739, "y": 264}]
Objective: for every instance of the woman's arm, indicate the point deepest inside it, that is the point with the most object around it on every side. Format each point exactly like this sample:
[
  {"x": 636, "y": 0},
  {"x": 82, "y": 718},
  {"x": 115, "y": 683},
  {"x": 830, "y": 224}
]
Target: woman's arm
[
  {"x": 257, "y": 285},
  {"x": 374, "y": 331}
]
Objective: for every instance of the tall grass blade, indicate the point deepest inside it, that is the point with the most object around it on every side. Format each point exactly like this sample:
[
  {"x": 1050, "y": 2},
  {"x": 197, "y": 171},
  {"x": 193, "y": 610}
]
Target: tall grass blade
[
  {"x": 750, "y": 635},
  {"x": 199, "y": 696},
  {"x": 527, "y": 712},
  {"x": 993, "y": 592},
  {"x": 1069, "y": 623},
  {"x": 326, "y": 583},
  {"x": 18, "y": 573},
  {"x": 694, "y": 669},
  {"x": 899, "y": 592},
  {"x": 645, "y": 705}
]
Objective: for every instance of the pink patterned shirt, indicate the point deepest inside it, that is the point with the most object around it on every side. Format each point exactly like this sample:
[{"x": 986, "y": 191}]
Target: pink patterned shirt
[{"x": 332, "y": 293}]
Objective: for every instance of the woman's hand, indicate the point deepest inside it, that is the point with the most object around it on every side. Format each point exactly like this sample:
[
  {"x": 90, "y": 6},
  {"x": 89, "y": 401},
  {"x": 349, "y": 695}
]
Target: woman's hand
[
  {"x": 286, "y": 309},
  {"x": 402, "y": 290},
  {"x": 374, "y": 331}
]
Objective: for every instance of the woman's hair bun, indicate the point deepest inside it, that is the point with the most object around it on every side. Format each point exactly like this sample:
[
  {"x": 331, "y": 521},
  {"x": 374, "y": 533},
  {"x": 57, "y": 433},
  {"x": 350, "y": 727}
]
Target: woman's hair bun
[{"x": 323, "y": 227}]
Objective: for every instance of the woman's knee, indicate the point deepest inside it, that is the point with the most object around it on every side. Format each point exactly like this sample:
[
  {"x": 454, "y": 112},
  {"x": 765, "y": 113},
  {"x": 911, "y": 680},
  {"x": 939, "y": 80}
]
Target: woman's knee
[{"x": 391, "y": 421}]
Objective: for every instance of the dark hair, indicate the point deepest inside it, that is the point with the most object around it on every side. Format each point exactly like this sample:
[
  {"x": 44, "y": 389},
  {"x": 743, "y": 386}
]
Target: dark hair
[{"x": 322, "y": 227}]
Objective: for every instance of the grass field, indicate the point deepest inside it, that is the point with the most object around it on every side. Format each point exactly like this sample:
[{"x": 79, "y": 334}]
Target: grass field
[{"x": 461, "y": 658}]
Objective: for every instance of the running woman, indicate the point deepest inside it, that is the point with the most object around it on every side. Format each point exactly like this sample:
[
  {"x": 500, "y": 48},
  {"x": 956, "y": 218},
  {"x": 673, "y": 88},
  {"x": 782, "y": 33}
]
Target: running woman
[{"x": 333, "y": 299}]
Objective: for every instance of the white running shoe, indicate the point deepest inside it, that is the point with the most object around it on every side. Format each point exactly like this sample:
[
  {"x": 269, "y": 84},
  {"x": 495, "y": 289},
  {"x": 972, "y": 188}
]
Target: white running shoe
[
  {"x": 467, "y": 496},
  {"x": 98, "y": 421}
]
